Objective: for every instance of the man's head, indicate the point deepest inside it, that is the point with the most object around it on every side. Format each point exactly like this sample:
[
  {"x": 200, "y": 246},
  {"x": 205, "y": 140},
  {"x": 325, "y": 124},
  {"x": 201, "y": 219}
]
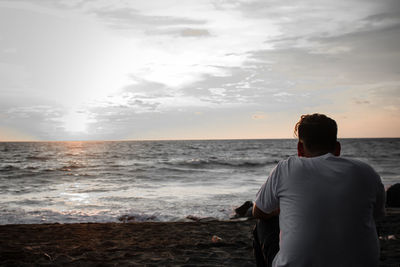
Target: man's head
[{"x": 317, "y": 135}]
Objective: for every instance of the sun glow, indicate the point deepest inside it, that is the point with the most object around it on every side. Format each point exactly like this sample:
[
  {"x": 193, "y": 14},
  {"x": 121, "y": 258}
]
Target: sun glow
[{"x": 76, "y": 122}]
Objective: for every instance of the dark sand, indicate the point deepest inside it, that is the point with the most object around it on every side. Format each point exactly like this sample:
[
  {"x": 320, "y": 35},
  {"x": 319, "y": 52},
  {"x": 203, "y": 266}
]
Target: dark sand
[{"x": 151, "y": 244}]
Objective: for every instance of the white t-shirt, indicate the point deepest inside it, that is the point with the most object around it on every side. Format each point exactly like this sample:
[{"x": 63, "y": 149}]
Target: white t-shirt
[{"x": 327, "y": 209}]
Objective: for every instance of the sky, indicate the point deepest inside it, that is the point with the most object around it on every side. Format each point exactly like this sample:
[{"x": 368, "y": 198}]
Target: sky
[{"x": 196, "y": 69}]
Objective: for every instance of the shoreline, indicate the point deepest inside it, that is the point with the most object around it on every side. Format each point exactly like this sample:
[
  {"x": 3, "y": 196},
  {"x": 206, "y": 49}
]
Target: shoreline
[{"x": 205, "y": 243}]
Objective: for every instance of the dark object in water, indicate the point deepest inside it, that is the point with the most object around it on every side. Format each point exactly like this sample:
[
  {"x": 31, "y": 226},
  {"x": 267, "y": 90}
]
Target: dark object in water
[
  {"x": 126, "y": 218},
  {"x": 244, "y": 210},
  {"x": 393, "y": 196},
  {"x": 199, "y": 219}
]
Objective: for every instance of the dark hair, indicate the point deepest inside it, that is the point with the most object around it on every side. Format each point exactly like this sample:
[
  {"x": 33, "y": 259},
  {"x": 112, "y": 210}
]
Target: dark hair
[{"x": 317, "y": 132}]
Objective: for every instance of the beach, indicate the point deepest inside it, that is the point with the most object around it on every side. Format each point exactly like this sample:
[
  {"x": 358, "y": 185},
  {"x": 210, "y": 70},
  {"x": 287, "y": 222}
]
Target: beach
[{"x": 202, "y": 243}]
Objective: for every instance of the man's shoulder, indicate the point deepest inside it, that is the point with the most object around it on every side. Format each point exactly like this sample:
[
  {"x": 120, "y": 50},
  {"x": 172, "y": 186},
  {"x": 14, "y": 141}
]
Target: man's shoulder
[
  {"x": 357, "y": 163},
  {"x": 287, "y": 165},
  {"x": 295, "y": 161},
  {"x": 288, "y": 161},
  {"x": 354, "y": 166}
]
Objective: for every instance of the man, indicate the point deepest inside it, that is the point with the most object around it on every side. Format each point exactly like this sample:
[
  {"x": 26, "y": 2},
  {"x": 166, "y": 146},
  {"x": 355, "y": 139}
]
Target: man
[{"x": 327, "y": 205}]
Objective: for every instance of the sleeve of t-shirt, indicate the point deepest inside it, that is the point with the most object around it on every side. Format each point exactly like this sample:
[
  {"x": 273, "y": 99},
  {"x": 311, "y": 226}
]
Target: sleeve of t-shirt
[{"x": 266, "y": 199}]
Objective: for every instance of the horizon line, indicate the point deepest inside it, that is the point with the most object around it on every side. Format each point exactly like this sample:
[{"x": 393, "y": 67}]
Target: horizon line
[{"x": 194, "y": 139}]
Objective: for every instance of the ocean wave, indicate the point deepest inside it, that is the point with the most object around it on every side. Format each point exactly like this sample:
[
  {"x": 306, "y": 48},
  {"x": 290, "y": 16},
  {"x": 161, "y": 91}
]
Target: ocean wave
[
  {"x": 40, "y": 158},
  {"x": 212, "y": 162},
  {"x": 21, "y": 216},
  {"x": 179, "y": 169},
  {"x": 130, "y": 163},
  {"x": 9, "y": 168},
  {"x": 72, "y": 165},
  {"x": 120, "y": 199},
  {"x": 93, "y": 190},
  {"x": 32, "y": 167}
]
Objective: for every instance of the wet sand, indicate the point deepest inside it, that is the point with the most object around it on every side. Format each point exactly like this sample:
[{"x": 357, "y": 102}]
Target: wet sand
[{"x": 150, "y": 243}]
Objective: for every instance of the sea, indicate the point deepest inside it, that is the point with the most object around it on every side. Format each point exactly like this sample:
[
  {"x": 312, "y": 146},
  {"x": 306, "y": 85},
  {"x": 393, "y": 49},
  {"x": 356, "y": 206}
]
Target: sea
[{"x": 72, "y": 182}]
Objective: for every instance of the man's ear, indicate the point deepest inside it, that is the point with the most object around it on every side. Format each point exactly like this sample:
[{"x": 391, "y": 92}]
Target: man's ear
[
  {"x": 300, "y": 149},
  {"x": 337, "y": 149}
]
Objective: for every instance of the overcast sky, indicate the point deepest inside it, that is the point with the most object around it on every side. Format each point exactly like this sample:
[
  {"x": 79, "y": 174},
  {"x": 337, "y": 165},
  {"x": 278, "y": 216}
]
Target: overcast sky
[{"x": 196, "y": 69}]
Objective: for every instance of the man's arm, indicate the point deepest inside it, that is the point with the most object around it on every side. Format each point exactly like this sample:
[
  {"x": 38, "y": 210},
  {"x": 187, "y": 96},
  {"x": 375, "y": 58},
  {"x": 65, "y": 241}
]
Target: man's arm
[
  {"x": 267, "y": 199},
  {"x": 259, "y": 214}
]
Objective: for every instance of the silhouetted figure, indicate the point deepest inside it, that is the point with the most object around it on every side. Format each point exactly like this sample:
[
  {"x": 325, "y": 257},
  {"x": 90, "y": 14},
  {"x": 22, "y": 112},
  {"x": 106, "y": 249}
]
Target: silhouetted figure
[
  {"x": 393, "y": 196},
  {"x": 244, "y": 210}
]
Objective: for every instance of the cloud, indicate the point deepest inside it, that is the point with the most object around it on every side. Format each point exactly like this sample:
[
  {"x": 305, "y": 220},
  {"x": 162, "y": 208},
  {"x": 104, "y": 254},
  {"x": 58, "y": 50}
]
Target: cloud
[
  {"x": 385, "y": 95},
  {"x": 191, "y": 32},
  {"x": 184, "y": 43},
  {"x": 129, "y": 67},
  {"x": 392, "y": 108},
  {"x": 166, "y": 43},
  {"x": 303, "y": 24},
  {"x": 282, "y": 94},
  {"x": 129, "y": 18},
  {"x": 387, "y": 15},
  {"x": 32, "y": 112},
  {"x": 40, "y": 121},
  {"x": 129, "y": 100},
  {"x": 361, "y": 102},
  {"x": 259, "y": 116}
]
